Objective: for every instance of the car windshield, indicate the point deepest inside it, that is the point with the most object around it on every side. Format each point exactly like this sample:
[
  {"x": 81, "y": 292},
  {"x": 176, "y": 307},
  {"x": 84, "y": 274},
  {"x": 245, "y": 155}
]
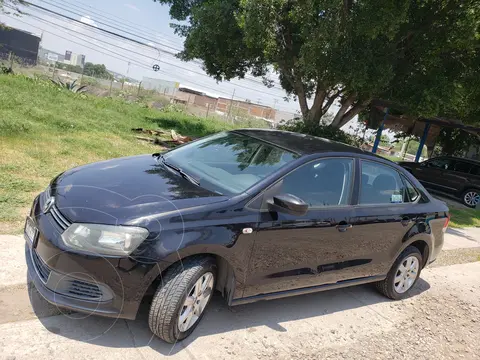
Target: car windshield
[{"x": 229, "y": 163}]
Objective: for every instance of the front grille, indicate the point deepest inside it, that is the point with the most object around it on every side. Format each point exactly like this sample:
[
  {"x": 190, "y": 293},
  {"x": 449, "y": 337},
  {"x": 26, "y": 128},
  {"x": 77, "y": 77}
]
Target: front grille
[
  {"x": 43, "y": 271},
  {"x": 84, "y": 290},
  {"x": 59, "y": 218}
]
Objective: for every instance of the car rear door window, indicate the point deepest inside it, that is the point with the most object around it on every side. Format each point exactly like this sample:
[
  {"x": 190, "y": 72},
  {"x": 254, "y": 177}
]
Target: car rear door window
[
  {"x": 440, "y": 163},
  {"x": 475, "y": 170},
  {"x": 463, "y": 167},
  {"x": 411, "y": 194},
  {"x": 380, "y": 184},
  {"x": 326, "y": 182}
]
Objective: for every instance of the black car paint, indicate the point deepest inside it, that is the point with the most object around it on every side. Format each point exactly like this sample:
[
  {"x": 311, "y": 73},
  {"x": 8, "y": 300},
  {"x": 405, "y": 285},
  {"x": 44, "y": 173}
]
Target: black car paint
[
  {"x": 448, "y": 181},
  {"x": 284, "y": 254}
]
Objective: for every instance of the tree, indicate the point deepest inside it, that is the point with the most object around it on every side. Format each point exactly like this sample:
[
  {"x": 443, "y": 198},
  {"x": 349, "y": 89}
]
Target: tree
[
  {"x": 423, "y": 54},
  {"x": 97, "y": 70},
  {"x": 11, "y": 7}
]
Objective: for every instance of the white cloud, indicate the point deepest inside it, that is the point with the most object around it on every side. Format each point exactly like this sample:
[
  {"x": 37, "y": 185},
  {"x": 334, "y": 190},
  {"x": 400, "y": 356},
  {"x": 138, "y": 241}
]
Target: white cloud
[
  {"x": 132, "y": 7},
  {"x": 88, "y": 20}
]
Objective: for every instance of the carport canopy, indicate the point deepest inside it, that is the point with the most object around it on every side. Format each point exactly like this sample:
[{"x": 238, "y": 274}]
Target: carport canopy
[{"x": 393, "y": 116}]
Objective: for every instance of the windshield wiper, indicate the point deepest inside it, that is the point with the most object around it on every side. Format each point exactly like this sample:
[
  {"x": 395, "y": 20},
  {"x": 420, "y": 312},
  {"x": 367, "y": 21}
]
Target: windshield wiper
[{"x": 180, "y": 171}]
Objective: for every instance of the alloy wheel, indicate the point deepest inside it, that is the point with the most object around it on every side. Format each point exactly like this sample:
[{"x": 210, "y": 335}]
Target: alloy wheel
[
  {"x": 195, "y": 302},
  {"x": 406, "y": 274},
  {"x": 471, "y": 198}
]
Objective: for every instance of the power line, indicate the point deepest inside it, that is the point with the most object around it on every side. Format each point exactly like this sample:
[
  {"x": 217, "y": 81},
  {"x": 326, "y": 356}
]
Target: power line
[
  {"x": 140, "y": 43},
  {"x": 124, "y": 59},
  {"x": 130, "y": 33},
  {"x": 94, "y": 11}
]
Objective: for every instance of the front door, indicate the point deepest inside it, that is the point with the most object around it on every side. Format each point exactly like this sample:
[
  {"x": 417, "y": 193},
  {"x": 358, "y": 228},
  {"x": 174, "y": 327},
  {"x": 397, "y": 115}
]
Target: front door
[
  {"x": 432, "y": 173},
  {"x": 300, "y": 251}
]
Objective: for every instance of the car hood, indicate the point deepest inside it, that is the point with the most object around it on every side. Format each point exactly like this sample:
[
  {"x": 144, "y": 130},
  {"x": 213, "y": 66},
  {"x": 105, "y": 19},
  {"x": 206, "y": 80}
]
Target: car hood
[{"x": 122, "y": 190}]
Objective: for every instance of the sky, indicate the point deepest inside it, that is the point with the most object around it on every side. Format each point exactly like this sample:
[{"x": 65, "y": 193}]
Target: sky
[{"x": 147, "y": 22}]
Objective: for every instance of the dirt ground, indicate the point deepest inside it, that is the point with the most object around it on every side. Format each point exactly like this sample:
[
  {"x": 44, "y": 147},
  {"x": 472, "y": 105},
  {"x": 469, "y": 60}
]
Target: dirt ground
[{"x": 441, "y": 321}]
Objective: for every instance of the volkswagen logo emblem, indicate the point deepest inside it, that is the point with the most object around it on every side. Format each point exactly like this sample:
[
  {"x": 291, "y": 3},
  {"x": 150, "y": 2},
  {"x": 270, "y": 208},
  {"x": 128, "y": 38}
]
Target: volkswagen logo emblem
[{"x": 48, "y": 204}]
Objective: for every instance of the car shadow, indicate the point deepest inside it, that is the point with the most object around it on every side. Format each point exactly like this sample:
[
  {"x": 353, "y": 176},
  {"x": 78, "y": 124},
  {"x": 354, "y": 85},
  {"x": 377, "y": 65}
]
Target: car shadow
[
  {"x": 461, "y": 233},
  {"x": 219, "y": 318}
]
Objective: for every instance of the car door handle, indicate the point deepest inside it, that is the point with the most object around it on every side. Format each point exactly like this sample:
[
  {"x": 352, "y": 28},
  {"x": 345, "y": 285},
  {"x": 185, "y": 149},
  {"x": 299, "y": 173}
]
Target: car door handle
[
  {"x": 406, "y": 221},
  {"x": 344, "y": 227}
]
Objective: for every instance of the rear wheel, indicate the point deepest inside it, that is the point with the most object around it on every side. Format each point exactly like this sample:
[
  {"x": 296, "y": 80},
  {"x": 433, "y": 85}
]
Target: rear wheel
[
  {"x": 471, "y": 197},
  {"x": 179, "y": 303},
  {"x": 403, "y": 275}
]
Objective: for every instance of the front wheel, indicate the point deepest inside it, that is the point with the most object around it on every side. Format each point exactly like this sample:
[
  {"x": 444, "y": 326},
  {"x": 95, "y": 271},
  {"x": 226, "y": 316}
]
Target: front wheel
[
  {"x": 179, "y": 303},
  {"x": 403, "y": 275},
  {"x": 471, "y": 197}
]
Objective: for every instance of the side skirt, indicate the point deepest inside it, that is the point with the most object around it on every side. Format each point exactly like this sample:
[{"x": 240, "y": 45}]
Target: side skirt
[{"x": 307, "y": 290}]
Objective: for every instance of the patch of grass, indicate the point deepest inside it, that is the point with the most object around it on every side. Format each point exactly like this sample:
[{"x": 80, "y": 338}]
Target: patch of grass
[
  {"x": 460, "y": 218},
  {"x": 391, "y": 158},
  {"x": 45, "y": 131}
]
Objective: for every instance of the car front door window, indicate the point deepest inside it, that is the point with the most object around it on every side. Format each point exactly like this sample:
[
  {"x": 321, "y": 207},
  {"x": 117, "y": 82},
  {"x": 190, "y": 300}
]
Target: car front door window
[{"x": 321, "y": 183}]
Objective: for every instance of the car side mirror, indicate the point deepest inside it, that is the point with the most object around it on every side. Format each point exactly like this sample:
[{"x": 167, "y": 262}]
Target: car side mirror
[{"x": 289, "y": 204}]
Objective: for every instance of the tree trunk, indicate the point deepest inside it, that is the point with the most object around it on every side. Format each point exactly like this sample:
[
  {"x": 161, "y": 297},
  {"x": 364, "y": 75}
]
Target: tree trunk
[{"x": 348, "y": 110}]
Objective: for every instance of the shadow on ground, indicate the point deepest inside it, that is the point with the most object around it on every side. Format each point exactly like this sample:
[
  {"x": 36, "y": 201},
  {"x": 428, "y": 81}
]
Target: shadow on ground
[{"x": 219, "y": 318}]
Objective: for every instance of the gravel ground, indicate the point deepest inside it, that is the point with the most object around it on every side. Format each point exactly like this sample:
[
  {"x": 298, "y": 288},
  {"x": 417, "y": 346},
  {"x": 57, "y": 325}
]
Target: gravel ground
[
  {"x": 457, "y": 256},
  {"x": 440, "y": 321}
]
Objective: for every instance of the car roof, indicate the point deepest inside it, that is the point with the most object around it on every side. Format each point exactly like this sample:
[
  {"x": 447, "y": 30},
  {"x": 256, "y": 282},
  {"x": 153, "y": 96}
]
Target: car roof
[
  {"x": 301, "y": 144},
  {"x": 473, "y": 161}
]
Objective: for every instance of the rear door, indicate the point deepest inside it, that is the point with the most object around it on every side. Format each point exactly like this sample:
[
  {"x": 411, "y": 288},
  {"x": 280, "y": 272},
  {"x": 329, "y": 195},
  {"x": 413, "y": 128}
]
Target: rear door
[
  {"x": 457, "y": 177},
  {"x": 385, "y": 212}
]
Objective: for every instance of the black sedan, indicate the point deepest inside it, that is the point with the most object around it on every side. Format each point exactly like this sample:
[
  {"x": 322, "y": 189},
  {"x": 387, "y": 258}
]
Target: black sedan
[{"x": 254, "y": 214}]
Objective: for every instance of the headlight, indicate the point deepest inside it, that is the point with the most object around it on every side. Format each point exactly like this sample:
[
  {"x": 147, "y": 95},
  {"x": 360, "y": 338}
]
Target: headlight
[{"x": 104, "y": 239}]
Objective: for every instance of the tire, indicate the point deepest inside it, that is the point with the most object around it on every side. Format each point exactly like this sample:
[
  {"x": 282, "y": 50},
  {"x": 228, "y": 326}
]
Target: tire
[
  {"x": 387, "y": 287},
  {"x": 469, "y": 196},
  {"x": 169, "y": 299}
]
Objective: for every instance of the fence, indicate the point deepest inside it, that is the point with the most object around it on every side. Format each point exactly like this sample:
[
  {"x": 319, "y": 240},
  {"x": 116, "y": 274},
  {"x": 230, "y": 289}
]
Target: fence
[{"x": 136, "y": 91}]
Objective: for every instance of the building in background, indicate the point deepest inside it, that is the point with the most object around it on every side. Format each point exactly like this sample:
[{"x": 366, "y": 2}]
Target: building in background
[
  {"x": 49, "y": 56},
  {"x": 162, "y": 86},
  {"x": 21, "y": 44},
  {"x": 74, "y": 59}
]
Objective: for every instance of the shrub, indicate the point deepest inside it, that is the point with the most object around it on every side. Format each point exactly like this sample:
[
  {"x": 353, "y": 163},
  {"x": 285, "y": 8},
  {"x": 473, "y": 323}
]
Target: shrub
[{"x": 323, "y": 131}]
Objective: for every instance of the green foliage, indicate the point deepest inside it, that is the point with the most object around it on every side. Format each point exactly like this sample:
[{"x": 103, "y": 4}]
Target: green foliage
[
  {"x": 423, "y": 54},
  {"x": 175, "y": 108},
  {"x": 455, "y": 142},
  {"x": 69, "y": 67},
  {"x": 5, "y": 69},
  {"x": 97, "y": 70},
  {"x": 70, "y": 86},
  {"x": 322, "y": 130}
]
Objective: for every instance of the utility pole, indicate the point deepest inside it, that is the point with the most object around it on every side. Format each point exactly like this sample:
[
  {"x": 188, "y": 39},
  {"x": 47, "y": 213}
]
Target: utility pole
[
  {"x": 208, "y": 109},
  {"x": 81, "y": 76},
  {"x": 138, "y": 91},
  {"x": 10, "y": 59},
  {"x": 231, "y": 104},
  {"x": 111, "y": 84},
  {"x": 54, "y": 67}
]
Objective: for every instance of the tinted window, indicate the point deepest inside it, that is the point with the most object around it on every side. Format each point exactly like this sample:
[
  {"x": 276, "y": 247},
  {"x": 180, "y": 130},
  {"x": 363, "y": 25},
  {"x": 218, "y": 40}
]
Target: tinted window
[
  {"x": 321, "y": 183},
  {"x": 440, "y": 163},
  {"x": 475, "y": 170},
  {"x": 380, "y": 184},
  {"x": 411, "y": 194},
  {"x": 461, "y": 166},
  {"x": 228, "y": 162}
]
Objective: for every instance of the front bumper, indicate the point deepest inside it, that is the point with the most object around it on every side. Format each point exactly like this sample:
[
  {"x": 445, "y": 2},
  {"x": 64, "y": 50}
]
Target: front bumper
[{"x": 106, "y": 286}]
